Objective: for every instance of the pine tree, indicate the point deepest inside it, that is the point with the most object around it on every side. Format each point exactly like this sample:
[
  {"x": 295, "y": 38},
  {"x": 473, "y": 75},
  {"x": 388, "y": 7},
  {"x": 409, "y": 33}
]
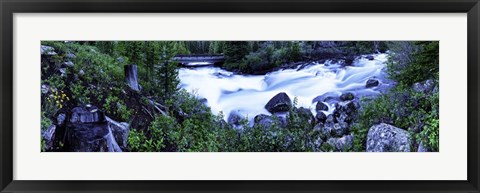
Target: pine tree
[{"x": 235, "y": 51}]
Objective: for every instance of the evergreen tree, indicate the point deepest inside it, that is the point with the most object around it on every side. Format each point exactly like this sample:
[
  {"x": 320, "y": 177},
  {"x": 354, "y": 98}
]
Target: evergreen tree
[{"x": 235, "y": 51}]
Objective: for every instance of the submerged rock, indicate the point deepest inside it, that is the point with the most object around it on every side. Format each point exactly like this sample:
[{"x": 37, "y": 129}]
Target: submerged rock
[
  {"x": 372, "y": 83},
  {"x": 369, "y": 57},
  {"x": 279, "y": 103},
  {"x": 387, "y": 138}
]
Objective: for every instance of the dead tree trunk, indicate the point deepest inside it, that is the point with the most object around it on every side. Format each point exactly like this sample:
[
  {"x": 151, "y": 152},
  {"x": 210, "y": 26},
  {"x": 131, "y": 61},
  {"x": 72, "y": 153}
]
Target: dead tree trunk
[{"x": 131, "y": 77}]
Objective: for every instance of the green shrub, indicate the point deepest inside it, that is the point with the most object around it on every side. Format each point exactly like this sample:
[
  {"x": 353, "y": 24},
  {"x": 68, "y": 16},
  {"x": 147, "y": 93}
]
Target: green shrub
[
  {"x": 414, "y": 62},
  {"x": 80, "y": 93}
]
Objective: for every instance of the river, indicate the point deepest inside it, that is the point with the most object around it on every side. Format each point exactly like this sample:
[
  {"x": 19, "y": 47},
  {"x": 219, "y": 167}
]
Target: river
[{"x": 247, "y": 94}]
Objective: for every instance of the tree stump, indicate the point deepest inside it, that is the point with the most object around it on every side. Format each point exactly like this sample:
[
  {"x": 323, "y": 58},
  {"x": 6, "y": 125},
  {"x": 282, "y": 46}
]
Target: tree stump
[{"x": 131, "y": 77}]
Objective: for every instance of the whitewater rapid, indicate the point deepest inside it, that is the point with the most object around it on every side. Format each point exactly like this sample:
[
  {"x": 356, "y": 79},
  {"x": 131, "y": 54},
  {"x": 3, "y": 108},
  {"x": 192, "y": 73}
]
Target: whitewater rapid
[{"x": 247, "y": 94}]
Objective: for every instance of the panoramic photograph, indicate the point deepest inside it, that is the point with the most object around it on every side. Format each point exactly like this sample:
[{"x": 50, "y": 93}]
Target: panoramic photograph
[{"x": 239, "y": 96}]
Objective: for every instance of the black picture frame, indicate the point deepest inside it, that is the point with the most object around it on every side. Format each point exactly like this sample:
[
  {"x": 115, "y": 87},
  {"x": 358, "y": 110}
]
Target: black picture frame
[{"x": 9, "y": 7}]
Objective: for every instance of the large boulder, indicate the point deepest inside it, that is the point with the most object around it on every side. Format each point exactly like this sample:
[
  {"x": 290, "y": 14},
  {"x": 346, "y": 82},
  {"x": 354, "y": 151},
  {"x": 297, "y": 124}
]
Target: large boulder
[
  {"x": 279, "y": 103},
  {"x": 387, "y": 138},
  {"x": 372, "y": 83}
]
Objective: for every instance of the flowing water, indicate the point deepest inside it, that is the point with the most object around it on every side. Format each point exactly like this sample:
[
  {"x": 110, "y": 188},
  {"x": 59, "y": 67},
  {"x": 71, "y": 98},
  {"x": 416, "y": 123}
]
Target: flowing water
[{"x": 247, "y": 94}]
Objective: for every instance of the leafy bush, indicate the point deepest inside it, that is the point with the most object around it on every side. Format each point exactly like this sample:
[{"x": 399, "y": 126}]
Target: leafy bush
[{"x": 116, "y": 107}]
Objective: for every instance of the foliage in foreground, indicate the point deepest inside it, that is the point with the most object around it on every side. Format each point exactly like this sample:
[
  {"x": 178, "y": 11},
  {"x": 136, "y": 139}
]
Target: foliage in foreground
[{"x": 402, "y": 106}]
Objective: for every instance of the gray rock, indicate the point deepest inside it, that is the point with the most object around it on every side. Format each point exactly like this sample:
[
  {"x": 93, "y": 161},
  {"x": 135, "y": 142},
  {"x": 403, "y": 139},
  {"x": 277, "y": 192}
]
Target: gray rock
[
  {"x": 347, "y": 107},
  {"x": 47, "y": 50},
  {"x": 68, "y": 64},
  {"x": 344, "y": 143},
  {"x": 347, "y": 96},
  {"x": 321, "y": 106},
  {"x": 263, "y": 120},
  {"x": 422, "y": 148},
  {"x": 369, "y": 57},
  {"x": 235, "y": 118},
  {"x": 324, "y": 131},
  {"x": 372, "y": 83},
  {"x": 63, "y": 72},
  {"x": 321, "y": 117},
  {"x": 45, "y": 88},
  {"x": 425, "y": 86},
  {"x": 344, "y": 118},
  {"x": 120, "y": 59},
  {"x": 330, "y": 119},
  {"x": 279, "y": 103},
  {"x": 70, "y": 56},
  {"x": 387, "y": 138},
  {"x": 61, "y": 119},
  {"x": 48, "y": 136},
  {"x": 317, "y": 143},
  {"x": 339, "y": 129}
]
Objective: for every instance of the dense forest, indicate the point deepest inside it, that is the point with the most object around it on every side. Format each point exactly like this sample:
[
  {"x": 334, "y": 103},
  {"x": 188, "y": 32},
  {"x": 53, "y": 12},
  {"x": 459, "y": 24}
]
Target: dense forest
[{"x": 136, "y": 96}]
